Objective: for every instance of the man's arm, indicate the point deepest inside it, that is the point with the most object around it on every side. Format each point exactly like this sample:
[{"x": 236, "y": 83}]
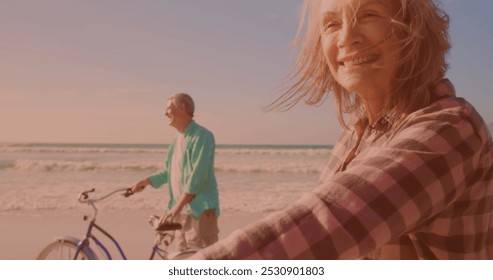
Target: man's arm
[{"x": 140, "y": 186}]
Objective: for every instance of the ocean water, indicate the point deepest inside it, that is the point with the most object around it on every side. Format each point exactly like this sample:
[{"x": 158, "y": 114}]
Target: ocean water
[{"x": 251, "y": 179}]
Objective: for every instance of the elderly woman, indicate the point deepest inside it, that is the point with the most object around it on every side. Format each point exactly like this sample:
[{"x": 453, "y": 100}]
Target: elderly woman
[{"x": 411, "y": 175}]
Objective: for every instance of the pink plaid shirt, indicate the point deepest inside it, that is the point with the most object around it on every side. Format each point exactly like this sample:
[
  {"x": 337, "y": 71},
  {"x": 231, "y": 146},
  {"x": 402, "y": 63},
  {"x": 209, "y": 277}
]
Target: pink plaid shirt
[{"x": 419, "y": 190}]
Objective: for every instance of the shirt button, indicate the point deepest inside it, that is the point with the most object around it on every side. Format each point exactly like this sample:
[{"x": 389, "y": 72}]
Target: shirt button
[{"x": 373, "y": 131}]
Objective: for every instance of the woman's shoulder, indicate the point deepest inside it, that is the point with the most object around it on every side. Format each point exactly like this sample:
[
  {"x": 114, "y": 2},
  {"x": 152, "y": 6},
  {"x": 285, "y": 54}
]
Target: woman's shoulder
[{"x": 450, "y": 113}]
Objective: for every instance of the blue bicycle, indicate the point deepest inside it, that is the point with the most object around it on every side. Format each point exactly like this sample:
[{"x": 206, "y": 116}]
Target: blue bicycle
[{"x": 71, "y": 248}]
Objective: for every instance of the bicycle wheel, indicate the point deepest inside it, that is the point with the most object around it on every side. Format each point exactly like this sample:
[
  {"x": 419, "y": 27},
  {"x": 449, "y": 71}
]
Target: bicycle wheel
[{"x": 64, "y": 249}]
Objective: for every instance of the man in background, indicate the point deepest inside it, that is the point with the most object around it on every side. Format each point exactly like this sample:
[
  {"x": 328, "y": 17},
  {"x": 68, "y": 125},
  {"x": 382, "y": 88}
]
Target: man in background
[{"x": 189, "y": 173}]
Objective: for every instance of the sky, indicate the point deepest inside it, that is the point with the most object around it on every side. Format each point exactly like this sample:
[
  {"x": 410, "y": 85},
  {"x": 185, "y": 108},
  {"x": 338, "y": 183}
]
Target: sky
[{"x": 100, "y": 71}]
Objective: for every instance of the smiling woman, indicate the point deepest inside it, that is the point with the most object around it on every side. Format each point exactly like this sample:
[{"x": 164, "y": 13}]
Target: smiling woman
[
  {"x": 410, "y": 177},
  {"x": 361, "y": 50},
  {"x": 376, "y": 41}
]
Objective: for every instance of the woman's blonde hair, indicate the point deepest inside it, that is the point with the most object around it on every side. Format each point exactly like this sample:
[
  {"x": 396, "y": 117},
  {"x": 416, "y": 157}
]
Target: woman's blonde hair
[{"x": 421, "y": 29}]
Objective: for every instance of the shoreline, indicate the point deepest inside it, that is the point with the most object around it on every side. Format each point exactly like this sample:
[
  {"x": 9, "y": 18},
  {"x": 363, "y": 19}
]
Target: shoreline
[{"x": 26, "y": 233}]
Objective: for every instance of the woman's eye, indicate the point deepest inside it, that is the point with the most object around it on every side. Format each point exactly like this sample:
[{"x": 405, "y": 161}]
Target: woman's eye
[
  {"x": 330, "y": 25},
  {"x": 369, "y": 15}
]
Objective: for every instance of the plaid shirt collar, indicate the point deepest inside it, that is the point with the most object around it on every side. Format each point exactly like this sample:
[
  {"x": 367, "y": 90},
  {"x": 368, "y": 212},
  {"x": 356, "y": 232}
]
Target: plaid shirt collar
[{"x": 444, "y": 89}]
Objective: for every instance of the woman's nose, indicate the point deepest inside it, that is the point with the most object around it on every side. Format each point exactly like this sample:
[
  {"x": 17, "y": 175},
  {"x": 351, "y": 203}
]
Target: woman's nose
[{"x": 350, "y": 34}]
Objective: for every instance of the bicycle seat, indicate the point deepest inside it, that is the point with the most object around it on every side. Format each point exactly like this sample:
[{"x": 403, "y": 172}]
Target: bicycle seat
[{"x": 168, "y": 226}]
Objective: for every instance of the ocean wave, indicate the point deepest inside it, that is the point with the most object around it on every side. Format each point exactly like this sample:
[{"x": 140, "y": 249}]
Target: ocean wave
[
  {"x": 62, "y": 150},
  {"x": 5, "y": 164},
  {"x": 80, "y": 166},
  {"x": 289, "y": 152},
  {"x": 136, "y": 166},
  {"x": 271, "y": 168},
  {"x": 279, "y": 150}
]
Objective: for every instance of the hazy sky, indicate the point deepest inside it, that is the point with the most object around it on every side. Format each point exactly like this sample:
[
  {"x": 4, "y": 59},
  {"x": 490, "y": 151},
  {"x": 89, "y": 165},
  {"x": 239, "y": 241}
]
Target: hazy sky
[{"x": 100, "y": 71}]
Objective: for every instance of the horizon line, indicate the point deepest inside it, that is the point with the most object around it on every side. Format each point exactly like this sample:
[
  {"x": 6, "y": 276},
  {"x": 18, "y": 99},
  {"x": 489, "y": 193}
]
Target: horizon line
[{"x": 142, "y": 143}]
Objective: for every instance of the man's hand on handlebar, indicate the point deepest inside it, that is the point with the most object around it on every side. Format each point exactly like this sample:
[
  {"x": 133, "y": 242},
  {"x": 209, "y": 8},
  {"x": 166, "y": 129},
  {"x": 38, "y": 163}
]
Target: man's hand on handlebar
[{"x": 140, "y": 186}]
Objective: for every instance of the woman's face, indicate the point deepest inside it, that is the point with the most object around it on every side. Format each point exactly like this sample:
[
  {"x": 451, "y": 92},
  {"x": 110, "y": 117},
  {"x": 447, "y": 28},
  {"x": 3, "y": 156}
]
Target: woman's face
[{"x": 358, "y": 44}]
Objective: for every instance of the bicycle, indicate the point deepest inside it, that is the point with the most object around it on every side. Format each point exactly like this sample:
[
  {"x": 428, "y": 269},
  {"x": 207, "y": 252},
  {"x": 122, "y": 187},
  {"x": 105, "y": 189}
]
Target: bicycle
[{"x": 71, "y": 248}]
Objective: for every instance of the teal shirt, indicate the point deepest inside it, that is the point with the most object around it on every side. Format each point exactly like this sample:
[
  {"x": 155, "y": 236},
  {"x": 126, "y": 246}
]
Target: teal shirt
[{"x": 198, "y": 176}]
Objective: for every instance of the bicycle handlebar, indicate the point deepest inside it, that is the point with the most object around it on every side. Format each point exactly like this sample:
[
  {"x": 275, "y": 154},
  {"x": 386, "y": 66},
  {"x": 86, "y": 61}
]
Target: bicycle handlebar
[
  {"x": 84, "y": 196},
  {"x": 128, "y": 192}
]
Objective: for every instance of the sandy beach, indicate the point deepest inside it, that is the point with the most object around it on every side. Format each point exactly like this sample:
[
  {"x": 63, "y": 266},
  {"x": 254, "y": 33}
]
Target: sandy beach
[
  {"x": 24, "y": 234},
  {"x": 40, "y": 184}
]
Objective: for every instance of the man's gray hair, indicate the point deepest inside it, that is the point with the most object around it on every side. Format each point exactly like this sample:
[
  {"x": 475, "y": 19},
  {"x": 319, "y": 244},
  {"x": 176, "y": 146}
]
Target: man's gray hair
[{"x": 183, "y": 98}]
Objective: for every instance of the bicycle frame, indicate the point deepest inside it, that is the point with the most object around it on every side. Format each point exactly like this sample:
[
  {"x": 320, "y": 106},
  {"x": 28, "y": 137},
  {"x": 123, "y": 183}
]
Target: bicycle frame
[
  {"x": 163, "y": 237},
  {"x": 89, "y": 235}
]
